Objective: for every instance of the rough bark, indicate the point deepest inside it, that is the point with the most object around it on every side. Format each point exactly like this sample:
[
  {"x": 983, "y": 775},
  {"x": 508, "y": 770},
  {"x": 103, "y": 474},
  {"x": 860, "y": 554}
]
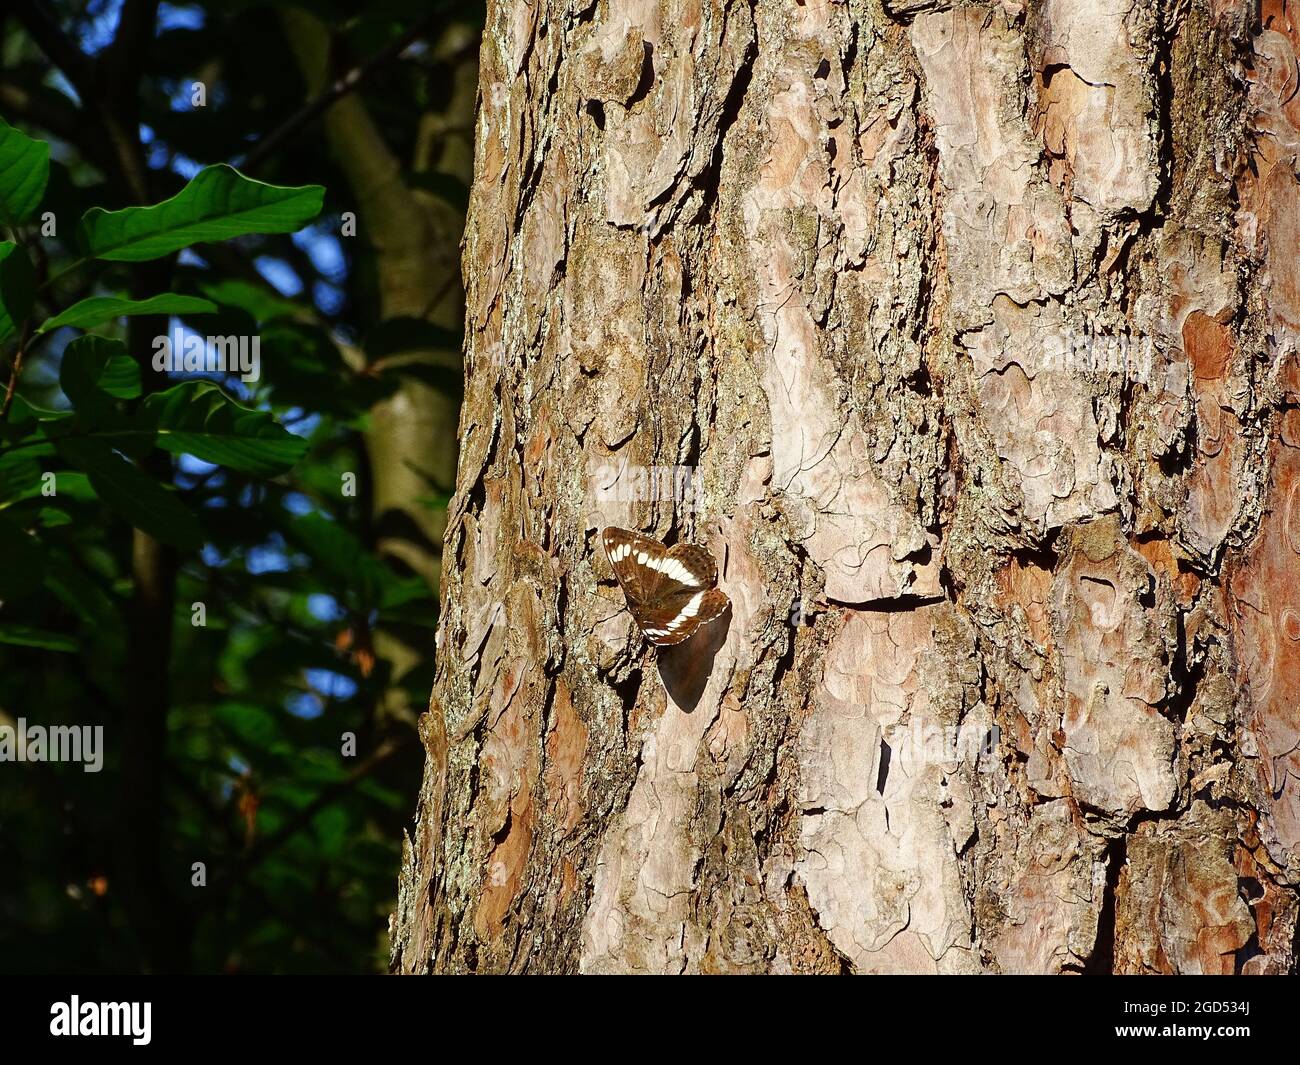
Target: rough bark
[{"x": 977, "y": 322}]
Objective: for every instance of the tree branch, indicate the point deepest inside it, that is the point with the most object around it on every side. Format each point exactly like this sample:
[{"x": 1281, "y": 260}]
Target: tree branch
[
  {"x": 273, "y": 141},
  {"x": 17, "y": 370},
  {"x": 124, "y": 57}
]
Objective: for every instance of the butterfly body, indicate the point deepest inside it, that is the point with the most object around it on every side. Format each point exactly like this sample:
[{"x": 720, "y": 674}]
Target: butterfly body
[{"x": 670, "y": 591}]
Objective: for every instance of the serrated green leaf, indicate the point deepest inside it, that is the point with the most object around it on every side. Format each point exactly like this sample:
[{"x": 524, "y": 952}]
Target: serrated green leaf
[
  {"x": 17, "y": 288},
  {"x": 218, "y": 203},
  {"x": 24, "y": 172},
  {"x": 137, "y": 497},
  {"x": 96, "y": 310},
  {"x": 199, "y": 419}
]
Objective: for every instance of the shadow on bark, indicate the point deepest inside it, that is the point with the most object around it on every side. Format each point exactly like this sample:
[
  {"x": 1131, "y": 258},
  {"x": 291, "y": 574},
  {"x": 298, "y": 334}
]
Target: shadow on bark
[{"x": 685, "y": 667}]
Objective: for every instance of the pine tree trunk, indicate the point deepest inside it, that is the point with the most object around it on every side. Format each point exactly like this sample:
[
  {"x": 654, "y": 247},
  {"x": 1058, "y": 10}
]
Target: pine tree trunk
[{"x": 974, "y": 328}]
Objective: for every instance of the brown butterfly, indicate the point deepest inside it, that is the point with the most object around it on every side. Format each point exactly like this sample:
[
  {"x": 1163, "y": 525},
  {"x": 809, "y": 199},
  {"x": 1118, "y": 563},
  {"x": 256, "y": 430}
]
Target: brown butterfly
[{"x": 671, "y": 591}]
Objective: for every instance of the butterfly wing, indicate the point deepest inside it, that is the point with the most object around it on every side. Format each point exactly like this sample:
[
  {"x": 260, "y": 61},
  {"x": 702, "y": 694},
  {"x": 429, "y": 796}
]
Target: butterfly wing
[
  {"x": 629, "y": 554},
  {"x": 694, "y": 610},
  {"x": 670, "y": 591},
  {"x": 691, "y": 566}
]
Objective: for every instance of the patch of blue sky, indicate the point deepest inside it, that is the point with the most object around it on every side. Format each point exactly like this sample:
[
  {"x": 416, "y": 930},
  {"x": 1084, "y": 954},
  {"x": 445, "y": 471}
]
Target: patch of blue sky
[
  {"x": 100, "y": 25},
  {"x": 321, "y": 243},
  {"x": 300, "y": 423},
  {"x": 184, "y": 95},
  {"x": 229, "y": 380},
  {"x": 161, "y": 156},
  {"x": 180, "y": 17},
  {"x": 267, "y": 558},
  {"x": 282, "y": 277},
  {"x": 185, "y": 166},
  {"x": 325, "y": 607},
  {"x": 329, "y": 298},
  {"x": 195, "y": 467},
  {"x": 330, "y": 684},
  {"x": 306, "y": 705},
  {"x": 297, "y": 503}
]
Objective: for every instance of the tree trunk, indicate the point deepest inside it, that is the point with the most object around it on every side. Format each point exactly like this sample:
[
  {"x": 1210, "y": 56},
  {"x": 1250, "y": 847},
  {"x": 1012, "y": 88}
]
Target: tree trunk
[{"x": 974, "y": 328}]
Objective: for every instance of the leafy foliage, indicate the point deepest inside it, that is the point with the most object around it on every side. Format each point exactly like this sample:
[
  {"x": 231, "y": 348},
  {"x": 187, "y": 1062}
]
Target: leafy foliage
[
  {"x": 217, "y": 204},
  {"x": 96, "y": 310},
  {"x": 24, "y": 173},
  {"x": 214, "y": 495}
]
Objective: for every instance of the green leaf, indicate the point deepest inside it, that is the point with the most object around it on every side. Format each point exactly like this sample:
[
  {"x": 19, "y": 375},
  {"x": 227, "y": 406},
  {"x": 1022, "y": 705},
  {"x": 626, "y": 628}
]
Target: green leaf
[
  {"x": 199, "y": 419},
  {"x": 331, "y": 826},
  {"x": 82, "y": 595},
  {"x": 22, "y": 562},
  {"x": 96, "y": 310},
  {"x": 303, "y": 368},
  {"x": 23, "y": 416},
  {"x": 17, "y": 288},
  {"x": 20, "y": 477},
  {"x": 249, "y": 722},
  {"x": 24, "y": 172},
  {"x": 73, "y": 485},
  {"x": 218, "y": 203},
  {"x": 95, "y": 366},
  {"x": 260, "y": 302},
  {"x": 53, "y": 518},
  {"x": 336, "y": 552},
  {"x": 137, "y": 497},
  {"x": 27, "y": 636}
]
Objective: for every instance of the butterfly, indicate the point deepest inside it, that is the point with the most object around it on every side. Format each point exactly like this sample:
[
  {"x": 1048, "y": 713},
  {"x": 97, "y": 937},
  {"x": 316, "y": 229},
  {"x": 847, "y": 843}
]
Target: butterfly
[{"x": 671, "y": 591}]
